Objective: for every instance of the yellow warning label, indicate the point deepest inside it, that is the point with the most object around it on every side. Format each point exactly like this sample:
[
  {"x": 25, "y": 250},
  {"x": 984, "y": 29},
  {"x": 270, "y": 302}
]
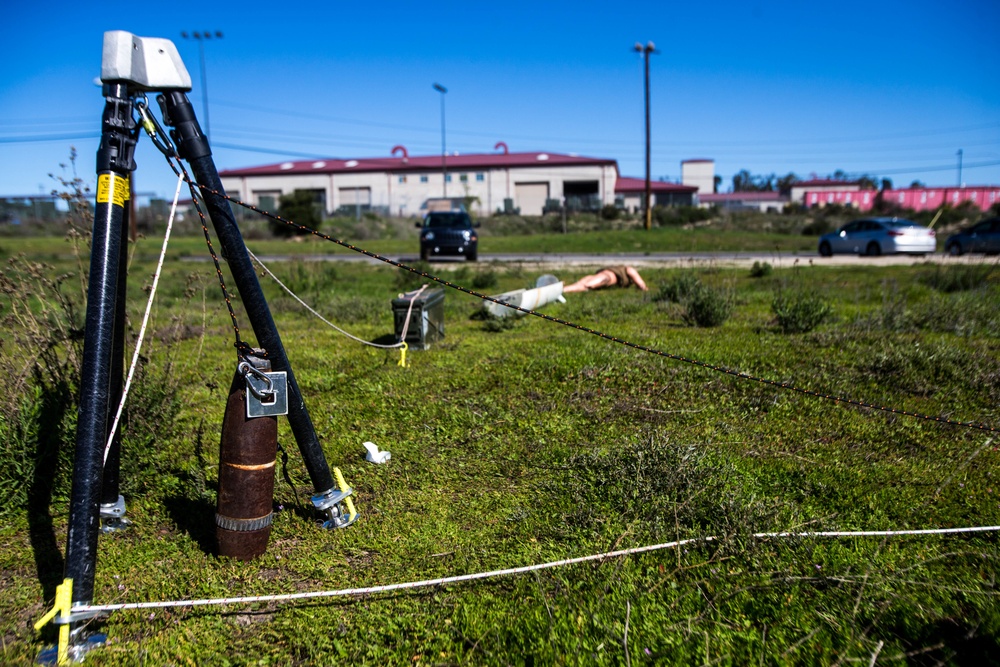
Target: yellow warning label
[{"x": 112, "y": 189}]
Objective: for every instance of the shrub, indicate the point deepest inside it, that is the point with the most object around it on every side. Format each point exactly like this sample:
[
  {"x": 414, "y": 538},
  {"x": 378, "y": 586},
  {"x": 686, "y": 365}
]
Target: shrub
[
  {"x": 761, "y": 270},
  {"x": 679, "y": 288},
  {"x": 817, "y": 227},
  {"x": 610, "y": 212},
  {"x": 485, "y": 279},
  {"x": 800, "y": 311},
  {"x": 680, "y": 215},
  {"x": 300, "y": 208},
  {"x": 708, "y": 307}
]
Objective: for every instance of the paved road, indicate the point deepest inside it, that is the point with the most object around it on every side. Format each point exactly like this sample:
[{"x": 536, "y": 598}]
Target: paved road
[{"x": 693, "y": 260}]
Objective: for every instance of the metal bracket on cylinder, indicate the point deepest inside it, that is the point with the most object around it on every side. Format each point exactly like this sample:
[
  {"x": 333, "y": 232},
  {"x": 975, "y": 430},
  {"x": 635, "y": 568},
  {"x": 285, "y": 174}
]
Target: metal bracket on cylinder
[
  {"x": 267, "y": 392},
  {"x": 113, "y": 516},
  {"x": 330, "y": 503}
]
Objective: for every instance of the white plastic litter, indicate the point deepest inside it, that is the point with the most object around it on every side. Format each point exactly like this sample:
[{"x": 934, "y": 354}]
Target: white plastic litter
[{"x": 374, "y": 455}]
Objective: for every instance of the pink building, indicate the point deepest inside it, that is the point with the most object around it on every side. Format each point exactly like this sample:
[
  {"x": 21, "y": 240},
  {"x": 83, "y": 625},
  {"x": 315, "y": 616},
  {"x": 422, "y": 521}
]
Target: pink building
[{"x": 918, "y": 199}]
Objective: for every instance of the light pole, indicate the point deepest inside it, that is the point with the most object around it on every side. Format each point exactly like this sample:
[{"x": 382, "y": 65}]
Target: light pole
[
  {"x": 200, "y": 37},
  {"x": 959, "y": 167},
  {"x": 444, "y": 160},
  {"x": 646, "y": 51}
]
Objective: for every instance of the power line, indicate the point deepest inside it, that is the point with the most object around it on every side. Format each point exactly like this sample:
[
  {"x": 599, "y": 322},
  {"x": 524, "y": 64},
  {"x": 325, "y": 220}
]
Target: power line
[
  {"x": 549, "y": 138},
  {"x": 38, "y": 138}
]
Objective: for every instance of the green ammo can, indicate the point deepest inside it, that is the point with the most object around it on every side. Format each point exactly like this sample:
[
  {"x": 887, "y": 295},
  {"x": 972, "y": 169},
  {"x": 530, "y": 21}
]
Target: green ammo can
[{"x": 426, "y": 317}]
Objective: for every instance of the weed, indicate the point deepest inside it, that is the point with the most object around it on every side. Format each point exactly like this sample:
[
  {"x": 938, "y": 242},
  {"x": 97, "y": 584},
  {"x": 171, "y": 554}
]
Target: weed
[
  {"x": 679, "y": 288},
  {"x": 495, "y": 324},
  {"x": 485, "y": 279},
  {"x": 799, "y": 311},
  {"x": 310, "y": 278},
  {"x": 411, "y": 280},
  {"x": 708, "y": 307},
  {"x": 921, "y": 369},
  {"x": 957, "y": 277}
]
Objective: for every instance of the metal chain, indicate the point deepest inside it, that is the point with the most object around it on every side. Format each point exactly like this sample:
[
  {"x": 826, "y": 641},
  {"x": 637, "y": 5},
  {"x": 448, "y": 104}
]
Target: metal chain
[{"x": 643, "y": 348}]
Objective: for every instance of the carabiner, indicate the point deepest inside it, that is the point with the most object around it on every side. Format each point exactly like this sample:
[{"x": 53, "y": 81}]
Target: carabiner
[
  {"x": 245, "y": 368},
  {"x": 159, "y": 138}
]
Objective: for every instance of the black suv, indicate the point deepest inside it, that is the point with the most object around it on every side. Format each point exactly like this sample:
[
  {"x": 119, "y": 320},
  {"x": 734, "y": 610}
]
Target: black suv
[{"x": 448, "y": 233}]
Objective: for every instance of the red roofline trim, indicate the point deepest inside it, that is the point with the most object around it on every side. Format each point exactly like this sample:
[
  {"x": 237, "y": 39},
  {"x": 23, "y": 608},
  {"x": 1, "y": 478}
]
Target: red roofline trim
[{"x": 422, "y": 163}]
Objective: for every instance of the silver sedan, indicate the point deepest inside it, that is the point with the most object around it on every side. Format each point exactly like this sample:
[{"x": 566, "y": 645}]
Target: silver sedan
[{"x": 875, "y": 236}]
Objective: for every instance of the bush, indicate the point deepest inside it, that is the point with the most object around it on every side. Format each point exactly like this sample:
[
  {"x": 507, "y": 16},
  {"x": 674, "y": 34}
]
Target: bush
[
  {"x": 761, "y": 270},
  {"x": 679, "y": 288},
  {"x": 817, "y": 227},
  {"x": 299, "y": 208},
  {"x": 799, "y": 312},
  {"x": 485, "y": 279},
  {"x": 708, "y": 307},
  {"x": 610, "y": 212},
  {"x": 680, "y": 215}
]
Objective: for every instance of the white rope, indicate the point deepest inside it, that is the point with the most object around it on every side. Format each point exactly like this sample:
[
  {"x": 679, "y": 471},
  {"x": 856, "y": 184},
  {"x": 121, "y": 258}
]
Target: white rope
[
  {"x": 310, "y": 309},
  {"x": 441, "y": 581},
  {"x": 406, "y": 322},
  {"x": 145, "y": 319}
]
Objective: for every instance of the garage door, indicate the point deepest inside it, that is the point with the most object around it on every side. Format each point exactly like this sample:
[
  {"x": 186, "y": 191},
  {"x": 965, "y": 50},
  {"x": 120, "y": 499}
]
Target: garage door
[
  {"x": 352, "y": 196},
  {"x": 531, "y": 197}
]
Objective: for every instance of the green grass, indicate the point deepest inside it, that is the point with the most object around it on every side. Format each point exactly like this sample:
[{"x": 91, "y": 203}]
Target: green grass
[{"x": 538, "y": 442}]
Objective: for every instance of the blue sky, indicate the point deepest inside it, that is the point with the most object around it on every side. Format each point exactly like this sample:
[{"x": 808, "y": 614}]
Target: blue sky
[{"x": 892, "y": 89}]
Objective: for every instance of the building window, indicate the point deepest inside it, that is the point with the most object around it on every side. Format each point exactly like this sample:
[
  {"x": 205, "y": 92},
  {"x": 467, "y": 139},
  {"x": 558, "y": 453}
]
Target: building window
[
  {"x": 267, "y": 199},
  {"x": 402, "y": 179},
  {"x": 423, "y": 179},
  {"x": 464, "y": 178},
  {"x": 480, "y": 177},
  {"x": 447, "y": 178}
]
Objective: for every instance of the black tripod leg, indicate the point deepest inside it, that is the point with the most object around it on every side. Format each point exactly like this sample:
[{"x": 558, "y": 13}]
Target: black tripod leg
[
  {"x": 193, "y": 147},
  {"x": 114, "y": 162},
  {"x": 112, "y": 503}
]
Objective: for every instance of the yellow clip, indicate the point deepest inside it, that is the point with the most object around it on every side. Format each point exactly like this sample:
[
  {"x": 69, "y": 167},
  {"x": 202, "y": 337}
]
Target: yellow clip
[
  {"x": 342, "y": 485},
  {"x": 64, "y": 600},
  {"x": 402, "y": 358}
]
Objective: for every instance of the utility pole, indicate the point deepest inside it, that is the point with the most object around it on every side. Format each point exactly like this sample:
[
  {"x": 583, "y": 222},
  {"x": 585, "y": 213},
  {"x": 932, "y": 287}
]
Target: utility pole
[
  {"x": 444, "y": 160},
  {"x": 646, "y": 51},
  {"x": 200, "y": 37},
  {"x": 959, "y": 167}
]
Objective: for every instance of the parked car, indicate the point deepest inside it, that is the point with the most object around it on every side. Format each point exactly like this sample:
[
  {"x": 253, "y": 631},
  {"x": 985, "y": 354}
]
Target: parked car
[
  {"x": 875, "y": 236},
  {"x": 448, "y": 233},
  {"x": 984, "y": 236}
]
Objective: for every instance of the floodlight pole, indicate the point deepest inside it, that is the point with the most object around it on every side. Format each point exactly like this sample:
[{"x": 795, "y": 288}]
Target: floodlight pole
[
  {"x": 200, "y": 37},
  {"x": 646, "y": 51},
  {"x": 444, "y": 153}
]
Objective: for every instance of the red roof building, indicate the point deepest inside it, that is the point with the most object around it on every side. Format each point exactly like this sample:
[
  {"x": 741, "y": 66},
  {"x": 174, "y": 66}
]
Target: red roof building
[{"x": 402, "y": 185}]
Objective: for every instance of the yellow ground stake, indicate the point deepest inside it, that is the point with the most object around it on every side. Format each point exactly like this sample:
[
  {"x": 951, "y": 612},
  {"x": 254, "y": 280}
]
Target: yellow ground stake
[
  {"x": 402, "y": 358},
  {"x": 342, "y": 485},
  {"x": 64, "y": 600}
]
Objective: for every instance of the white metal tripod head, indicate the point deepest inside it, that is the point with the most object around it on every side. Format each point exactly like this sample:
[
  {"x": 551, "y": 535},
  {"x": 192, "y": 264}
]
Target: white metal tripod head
[{"x": 147, "y": 63}]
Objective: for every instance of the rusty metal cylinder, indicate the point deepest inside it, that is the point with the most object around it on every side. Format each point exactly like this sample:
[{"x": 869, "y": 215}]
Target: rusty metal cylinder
[{"x": 247, "y": 454}]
